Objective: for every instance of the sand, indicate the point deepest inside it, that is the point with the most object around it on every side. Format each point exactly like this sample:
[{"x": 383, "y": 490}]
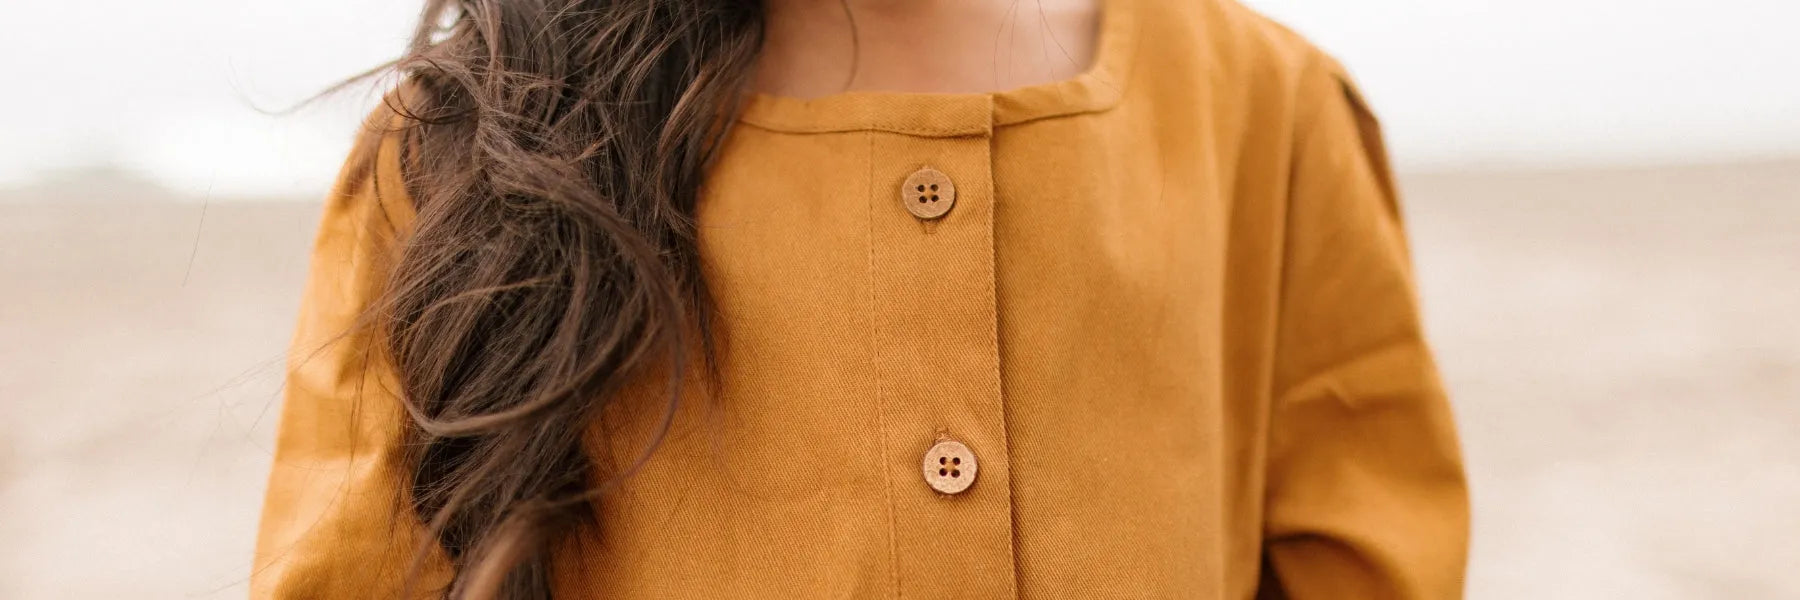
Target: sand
[{"x": 1623, "y": 348}]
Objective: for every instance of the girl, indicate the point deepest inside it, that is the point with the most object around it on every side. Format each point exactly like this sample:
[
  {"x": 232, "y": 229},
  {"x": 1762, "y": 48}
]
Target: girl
[{"x": 872, "y": 299}]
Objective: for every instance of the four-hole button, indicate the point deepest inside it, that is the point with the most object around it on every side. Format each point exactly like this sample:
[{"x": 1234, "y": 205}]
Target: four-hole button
[
  {"x": 949, "y": 467},
  {"x": 928, "y": 193}
]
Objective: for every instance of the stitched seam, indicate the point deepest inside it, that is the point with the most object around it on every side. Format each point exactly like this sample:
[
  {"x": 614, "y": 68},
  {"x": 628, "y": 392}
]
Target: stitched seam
[
  {"x": 1304, "y": 116},
  {"x": 921, "y": 131},
  {"x": 1053, "y": 117},
  {"x": 1012, "y": 545},
  {"x": 887, "y": 478},
  {"x": 946, "y": 132}
]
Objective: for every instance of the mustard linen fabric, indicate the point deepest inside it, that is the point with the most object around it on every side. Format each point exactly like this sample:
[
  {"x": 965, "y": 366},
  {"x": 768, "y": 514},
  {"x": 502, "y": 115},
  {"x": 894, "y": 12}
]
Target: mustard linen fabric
[{"x": 1171, "y": 312}]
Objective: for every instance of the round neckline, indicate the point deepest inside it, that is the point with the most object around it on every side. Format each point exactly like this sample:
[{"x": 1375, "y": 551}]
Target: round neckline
[{"x": 929, "y": 114}]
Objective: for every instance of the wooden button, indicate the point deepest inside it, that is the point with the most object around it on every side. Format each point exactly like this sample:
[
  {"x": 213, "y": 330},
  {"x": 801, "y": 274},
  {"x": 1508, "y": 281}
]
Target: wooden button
[
  {"x": 949, "y": 467},
  {"x": 928, "y": 194}
]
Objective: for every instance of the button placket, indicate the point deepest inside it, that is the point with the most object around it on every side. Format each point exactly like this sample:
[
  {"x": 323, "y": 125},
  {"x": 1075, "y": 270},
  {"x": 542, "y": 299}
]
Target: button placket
[{"x": 935, "y": 320}]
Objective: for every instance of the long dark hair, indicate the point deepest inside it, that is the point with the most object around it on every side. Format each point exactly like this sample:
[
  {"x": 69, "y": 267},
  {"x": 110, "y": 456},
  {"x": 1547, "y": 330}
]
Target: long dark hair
[{"x": 555, "y": 155}]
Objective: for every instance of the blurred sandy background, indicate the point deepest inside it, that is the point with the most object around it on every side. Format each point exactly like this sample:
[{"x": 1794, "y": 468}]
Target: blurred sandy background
[{"x": 1604, "y": 197}]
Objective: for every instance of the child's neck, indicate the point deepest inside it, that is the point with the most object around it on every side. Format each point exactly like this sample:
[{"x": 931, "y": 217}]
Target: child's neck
[{"x": 942, "y": 46}]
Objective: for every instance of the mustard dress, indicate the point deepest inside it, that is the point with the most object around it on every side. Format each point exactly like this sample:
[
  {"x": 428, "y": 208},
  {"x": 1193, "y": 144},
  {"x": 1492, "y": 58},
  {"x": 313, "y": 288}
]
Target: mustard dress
[{"x": 1150, "y": 332}]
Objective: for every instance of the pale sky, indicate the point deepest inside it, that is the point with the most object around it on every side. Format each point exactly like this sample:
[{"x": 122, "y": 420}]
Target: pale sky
[{"x": 171, "y": 89}]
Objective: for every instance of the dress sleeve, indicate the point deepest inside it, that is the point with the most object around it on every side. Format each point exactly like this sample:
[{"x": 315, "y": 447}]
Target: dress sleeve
[
  {"x": 1366, "y": 495},
  {"x": 335, "y": 520}
]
